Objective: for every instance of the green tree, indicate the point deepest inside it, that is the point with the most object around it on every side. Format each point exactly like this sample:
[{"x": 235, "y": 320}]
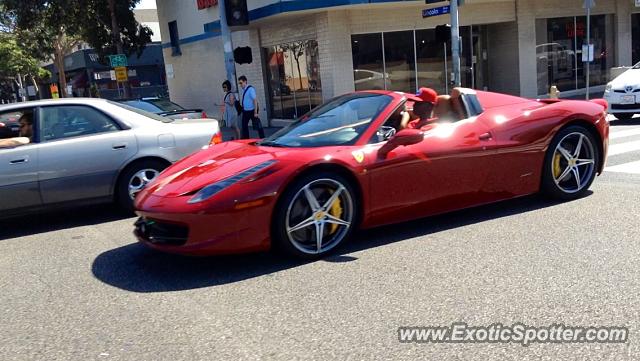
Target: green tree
[
  {"x": 47, "y": 29},
  {"x": 110, "y": 27},
  {"x": 55, "y": 27},
  {"x": 17, "y": 64}
]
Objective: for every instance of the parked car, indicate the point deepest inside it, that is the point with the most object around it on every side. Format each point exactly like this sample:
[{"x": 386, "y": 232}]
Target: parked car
[
  {"x": 369, "y": 79},
  {"x": 91, "y": 150},
  {"x": 349, "y": 164},
  {"x": 623, "y": 94},
  {"x": 280, "y": 88},
  {"x": 556, "y": 59},
  {"x": 165, "y": 108}
]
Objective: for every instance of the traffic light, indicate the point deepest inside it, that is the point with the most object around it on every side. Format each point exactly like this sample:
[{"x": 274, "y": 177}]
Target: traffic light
[
  {"x": 237, "y": 13},
  {"x": 242, "y": 55},
  {"x": 443, "y": 33}
]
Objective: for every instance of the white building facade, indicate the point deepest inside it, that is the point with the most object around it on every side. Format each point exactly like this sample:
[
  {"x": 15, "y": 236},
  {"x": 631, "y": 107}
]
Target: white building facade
[{"x": 306, "y": 52}]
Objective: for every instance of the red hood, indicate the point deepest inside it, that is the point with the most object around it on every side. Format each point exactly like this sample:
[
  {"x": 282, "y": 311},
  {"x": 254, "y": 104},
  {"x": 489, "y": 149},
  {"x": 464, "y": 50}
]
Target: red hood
[{"x": 209, "y": 166}]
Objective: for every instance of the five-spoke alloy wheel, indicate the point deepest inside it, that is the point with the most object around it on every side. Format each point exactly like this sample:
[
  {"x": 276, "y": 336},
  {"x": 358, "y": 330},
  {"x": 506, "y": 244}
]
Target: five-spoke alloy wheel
[
  {"x": 315, "y": 215},
  {"x": 571, "y": 163}
]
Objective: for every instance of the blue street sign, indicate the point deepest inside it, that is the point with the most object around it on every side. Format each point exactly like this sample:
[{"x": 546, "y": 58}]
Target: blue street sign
[{"x": 436, "y": 11}]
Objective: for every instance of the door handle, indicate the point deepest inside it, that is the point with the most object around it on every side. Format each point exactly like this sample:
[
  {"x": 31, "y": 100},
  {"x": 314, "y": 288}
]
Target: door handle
[
  {"x": 119, "y": 146},
  {"x": 485, "y": 136},
  {"x": 19, "y": 160}
]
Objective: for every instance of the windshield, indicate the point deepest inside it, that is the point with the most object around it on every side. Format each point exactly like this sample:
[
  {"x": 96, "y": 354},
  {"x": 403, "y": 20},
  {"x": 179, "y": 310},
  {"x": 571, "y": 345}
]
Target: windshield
[
  {"x": 340, "y": 121},
  {"x": 143, "y": 112},
  {"x": 637, "y": 66},
  {"x": 143, "y": 105},
  {"x": 165, "y": 104}
]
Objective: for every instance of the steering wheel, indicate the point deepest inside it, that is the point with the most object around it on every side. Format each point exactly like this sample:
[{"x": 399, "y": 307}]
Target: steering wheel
[{"x": 386, "y": 132}]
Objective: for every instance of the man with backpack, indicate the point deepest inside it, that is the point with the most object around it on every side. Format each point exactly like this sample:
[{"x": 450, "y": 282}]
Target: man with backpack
[{"x": 249, "y": 108}]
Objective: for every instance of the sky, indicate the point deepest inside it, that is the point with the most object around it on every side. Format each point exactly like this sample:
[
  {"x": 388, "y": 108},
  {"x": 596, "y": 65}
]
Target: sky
[{"x": 146, "y": 4}]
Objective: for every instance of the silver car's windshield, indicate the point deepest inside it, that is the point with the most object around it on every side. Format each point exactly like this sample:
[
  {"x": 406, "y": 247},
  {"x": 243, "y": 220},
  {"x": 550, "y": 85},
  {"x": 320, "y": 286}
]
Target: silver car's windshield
[
  {"x": 340, "y": 121},
  {"x": 143, "y": 112}
]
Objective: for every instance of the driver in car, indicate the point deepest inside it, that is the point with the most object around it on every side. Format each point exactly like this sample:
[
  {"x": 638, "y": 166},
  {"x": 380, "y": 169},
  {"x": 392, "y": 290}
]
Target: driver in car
[
  {"x": 26, "y": 132},
  {"x": 422, "y": 109}
]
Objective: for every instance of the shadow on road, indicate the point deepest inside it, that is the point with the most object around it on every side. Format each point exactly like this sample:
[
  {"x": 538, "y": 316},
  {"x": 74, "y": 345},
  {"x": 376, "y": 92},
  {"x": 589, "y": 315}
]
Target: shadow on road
[
  {"x": 137, "y": 268},
  {"x": 58, "y": 220}
]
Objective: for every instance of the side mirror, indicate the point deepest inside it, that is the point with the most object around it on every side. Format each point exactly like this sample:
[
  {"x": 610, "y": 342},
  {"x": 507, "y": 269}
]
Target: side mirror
[{"x": 402, "y": 138}]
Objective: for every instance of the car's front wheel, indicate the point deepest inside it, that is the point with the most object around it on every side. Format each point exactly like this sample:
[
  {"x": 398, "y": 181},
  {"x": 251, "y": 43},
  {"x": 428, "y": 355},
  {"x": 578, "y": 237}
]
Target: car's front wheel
[
  {"x": 134, "y": 178},
  {"x": 570, "y": 163},
  {"x": 316, "y": 214}
]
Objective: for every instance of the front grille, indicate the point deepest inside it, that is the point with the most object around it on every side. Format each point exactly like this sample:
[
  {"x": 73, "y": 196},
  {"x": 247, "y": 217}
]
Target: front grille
[
  {"x": 625, "y": 106},
  {"x": 625, "y": 92},
  {"x": 160, "y": 232}
]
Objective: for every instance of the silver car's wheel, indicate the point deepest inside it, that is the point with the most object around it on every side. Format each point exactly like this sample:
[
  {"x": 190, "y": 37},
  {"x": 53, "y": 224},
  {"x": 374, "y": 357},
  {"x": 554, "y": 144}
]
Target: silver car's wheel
[
  {"x": 140, "y": 179},
  {"x": 319, "y": 216},
  {"x": 573, "y": 162},
  {"x": 134, "y": 178}
]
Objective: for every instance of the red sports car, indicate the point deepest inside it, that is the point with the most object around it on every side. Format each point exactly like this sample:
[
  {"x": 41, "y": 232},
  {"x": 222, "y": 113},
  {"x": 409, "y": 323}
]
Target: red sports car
[{"x": 347, "y": 165}]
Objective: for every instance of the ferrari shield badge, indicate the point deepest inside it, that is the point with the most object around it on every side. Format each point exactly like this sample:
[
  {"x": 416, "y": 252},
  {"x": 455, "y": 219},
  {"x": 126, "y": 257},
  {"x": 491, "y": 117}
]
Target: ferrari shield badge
[{"x": 358, "y": 155}]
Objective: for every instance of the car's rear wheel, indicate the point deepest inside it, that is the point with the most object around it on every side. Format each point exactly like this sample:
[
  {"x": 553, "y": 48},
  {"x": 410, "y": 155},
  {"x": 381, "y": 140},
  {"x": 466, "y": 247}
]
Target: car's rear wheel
[
  {"x": 315, "y": 215},
  {"x": 134, "y": 178},
  {"x": 570, "y": 163},
  {"x": 624, "y": 116}
]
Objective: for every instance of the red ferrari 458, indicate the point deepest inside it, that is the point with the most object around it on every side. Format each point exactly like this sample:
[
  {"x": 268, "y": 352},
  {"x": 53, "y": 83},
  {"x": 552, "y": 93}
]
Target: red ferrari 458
[{"x": 351, "y": 164}]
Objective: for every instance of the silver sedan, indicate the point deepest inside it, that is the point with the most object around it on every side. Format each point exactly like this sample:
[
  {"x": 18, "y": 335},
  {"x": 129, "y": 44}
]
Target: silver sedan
[{"x": 89, "y": 151}]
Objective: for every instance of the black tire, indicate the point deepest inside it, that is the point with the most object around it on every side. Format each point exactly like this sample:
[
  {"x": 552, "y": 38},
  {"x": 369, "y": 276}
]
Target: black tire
[
  {"x": 623, "y": 116},
  {"x": 290, "y": 201},
  {"x": 555, "y": 190},
  {"x": 122, "y": 187}
]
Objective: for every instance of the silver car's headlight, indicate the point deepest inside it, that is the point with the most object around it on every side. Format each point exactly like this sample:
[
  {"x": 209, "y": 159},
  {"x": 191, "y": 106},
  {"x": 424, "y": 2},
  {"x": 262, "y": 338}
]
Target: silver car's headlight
[
  {"x": 210, "y": 190},
  {"x": 607, "y": 89}
]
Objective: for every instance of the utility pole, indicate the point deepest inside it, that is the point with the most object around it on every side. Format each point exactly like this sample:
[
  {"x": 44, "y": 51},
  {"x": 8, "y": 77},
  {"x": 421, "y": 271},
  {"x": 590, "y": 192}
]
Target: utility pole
[
  {"x": 227, "y": 44},
  {"x": 588, "y": 4},
  {"x": 115, "y": 34},
  {"x": 455, "y": 43}
]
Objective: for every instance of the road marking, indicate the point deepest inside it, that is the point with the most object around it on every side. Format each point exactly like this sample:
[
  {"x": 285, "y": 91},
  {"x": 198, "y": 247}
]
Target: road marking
[
  {"x": 631, "y": 167},
  {"x": 624, "y": 133},
  {"x": 624, "y": 148}
]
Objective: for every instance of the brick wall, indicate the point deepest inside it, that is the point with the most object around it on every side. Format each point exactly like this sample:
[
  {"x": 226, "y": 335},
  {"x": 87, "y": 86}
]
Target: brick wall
[{"x": 198, "y": 75}]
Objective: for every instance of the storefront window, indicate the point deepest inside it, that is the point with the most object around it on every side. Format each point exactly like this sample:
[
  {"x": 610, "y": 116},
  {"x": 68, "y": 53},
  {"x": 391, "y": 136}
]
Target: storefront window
[
  {"x": 388, "y": 60},
  {"x": 400, "y": 61},
  {"x": 293, "y": 78},
  {"x": 368, "y": 68},
  {"x": 559, "y": 52},
  {"x": 432, "y": 71}
]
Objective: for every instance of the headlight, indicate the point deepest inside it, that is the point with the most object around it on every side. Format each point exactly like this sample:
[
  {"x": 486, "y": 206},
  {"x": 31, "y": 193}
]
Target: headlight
[
  {"x": 607, "y": 89},
  {"x": 210, "y": 190}
]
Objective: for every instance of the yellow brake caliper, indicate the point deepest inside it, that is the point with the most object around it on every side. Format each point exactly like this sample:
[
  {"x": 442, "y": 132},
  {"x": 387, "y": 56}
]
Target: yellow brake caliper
[
  {"x": 557, "y": 171},
  {"x": 336, "y": 211}
]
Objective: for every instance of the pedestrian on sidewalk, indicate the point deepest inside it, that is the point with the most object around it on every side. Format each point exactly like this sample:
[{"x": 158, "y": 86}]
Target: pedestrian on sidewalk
[
  {"x": 249, "y": 108},
  {"x": 230, "y": 114}
]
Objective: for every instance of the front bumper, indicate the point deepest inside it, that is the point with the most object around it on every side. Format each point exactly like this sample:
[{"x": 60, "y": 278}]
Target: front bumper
[
  {"x": 617, "y": 105},
  {"x": 164, "y": 226}
]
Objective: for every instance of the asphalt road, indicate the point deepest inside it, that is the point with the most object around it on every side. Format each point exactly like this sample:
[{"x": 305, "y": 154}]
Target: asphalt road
[{"x": 75, "y": 285}]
